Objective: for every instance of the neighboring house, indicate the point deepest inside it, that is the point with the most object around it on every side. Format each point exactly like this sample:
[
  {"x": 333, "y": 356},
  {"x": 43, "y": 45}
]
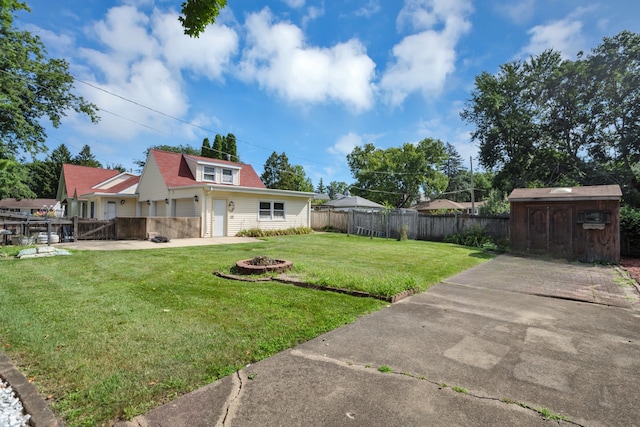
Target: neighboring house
[
  {"x": 227, "y": 196},
  {"x": 351, "y": 202},
  {"x": 475, "y": 209},
  {"x": 26, "y": 206},
  {"x": 448, "y": 206},
  {"x": 97, "y": 193},
  {"x": 438, "y": 206}
]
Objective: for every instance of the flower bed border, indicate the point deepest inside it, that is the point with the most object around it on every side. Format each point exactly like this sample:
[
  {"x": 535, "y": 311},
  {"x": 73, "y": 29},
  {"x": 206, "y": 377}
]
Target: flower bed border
[{"x": 296, "y": 282}]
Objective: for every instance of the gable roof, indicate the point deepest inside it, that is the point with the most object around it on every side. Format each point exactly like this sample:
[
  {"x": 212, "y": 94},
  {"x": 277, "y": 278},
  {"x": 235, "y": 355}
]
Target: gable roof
[
  {"x": 82, "y": 179},
  {"x": 352, "y": 202},
  {"x": 435, "y": 205},
  {"x": 176, "y": 172},
  {"x": 594, "y": 192},
  {"x": 11, "y": 203}
]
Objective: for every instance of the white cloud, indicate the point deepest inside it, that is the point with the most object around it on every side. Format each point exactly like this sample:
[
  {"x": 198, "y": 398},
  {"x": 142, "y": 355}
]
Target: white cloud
[
  {"x": 345, "y": 144},
  {"x": 279, "y": 60},
  {"x": 209, "y": 55},
  {"x": 424, "y": 60},
  {"x": 312, "y": 13},
  {"x": 294, "y": 4},
  {"x": 371, "y": 8},
  {"x": 517, "y": 11},
  {"x": 564, "y": 36},
  {"x": 142, "y": 58}
]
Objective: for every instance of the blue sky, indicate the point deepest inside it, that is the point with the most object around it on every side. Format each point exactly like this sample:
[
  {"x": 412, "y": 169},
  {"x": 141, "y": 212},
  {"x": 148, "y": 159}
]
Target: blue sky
[{"x": 309, "y": 78}]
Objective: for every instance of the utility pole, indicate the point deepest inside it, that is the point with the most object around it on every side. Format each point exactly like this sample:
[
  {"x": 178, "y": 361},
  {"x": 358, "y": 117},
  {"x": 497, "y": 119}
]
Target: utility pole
[{"x": 473, "y": 201}]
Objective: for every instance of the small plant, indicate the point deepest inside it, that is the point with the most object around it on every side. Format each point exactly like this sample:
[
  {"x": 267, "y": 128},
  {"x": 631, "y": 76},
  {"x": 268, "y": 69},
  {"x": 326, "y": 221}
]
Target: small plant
[
  {"x": 252, "y": 376},
  {"x": 549, "y": 415},
  {"x": 460, "y": 389},
  {"x": 385, "y": 368}
]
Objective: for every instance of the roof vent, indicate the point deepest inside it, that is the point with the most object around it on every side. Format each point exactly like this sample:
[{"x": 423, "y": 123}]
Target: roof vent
[{"x": 561, "y": 190}]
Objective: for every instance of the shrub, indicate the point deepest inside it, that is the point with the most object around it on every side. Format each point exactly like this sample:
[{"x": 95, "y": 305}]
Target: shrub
[
  {"x": 257, "y": 232},
  {"x": 476, "y": 237},
  {"x": 630, "y": 230}
]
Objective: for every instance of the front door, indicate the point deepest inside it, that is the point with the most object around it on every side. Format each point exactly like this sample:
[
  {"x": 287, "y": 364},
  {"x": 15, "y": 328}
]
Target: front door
[
  {"x": 219, "y": 218},
  {"x": 111, "y": 210}
]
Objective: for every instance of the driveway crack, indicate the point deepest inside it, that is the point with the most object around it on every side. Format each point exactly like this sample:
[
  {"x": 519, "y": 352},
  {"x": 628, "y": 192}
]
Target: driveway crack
[{"x": 233, "y": 401}]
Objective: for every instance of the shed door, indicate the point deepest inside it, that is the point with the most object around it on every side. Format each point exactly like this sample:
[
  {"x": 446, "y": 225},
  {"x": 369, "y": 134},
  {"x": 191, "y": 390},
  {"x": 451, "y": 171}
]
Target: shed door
[
  {"x": 550, "y": 231},
  {"x": 219, "y": 217}
]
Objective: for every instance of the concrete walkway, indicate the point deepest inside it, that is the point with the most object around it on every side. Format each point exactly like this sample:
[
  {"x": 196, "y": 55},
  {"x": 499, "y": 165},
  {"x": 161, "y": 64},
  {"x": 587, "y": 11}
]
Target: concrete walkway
[
  {"x": 118, "y": 245},
  {"x": 478, "y": 349}
]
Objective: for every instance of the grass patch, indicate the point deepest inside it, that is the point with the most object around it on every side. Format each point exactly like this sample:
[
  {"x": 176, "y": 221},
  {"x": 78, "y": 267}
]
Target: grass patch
[
  {"x": 112, "y": 334},
  {"x": 385, "y": 369}
]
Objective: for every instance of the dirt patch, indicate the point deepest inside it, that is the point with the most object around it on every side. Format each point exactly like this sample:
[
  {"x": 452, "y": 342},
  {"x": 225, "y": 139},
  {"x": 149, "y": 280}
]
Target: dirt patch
[{"x": 631, "y": 266}]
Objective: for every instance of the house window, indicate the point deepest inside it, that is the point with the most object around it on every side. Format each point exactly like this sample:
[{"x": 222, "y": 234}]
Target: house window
[
  {"x": 271, "y": 211},
  {"x": 209, "y": 173},
  {"x": 227, "y": 176}
]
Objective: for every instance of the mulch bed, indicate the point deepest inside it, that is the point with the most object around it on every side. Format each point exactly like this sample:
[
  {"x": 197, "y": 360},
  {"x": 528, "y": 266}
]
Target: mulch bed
[{"x": 631, "y": 266}]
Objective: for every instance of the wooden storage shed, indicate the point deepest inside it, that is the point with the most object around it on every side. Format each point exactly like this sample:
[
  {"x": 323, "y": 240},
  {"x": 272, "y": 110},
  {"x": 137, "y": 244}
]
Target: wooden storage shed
[{"x": 575, "y": 223}]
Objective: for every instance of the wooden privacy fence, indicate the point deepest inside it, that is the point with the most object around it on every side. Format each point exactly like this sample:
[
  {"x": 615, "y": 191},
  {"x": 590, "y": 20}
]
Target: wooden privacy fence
[{"x": 418, "y": 226}]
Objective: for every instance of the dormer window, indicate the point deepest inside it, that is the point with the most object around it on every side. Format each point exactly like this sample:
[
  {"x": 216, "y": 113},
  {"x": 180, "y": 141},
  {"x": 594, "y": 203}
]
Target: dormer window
[
  {"x": 227, "y": 176},
  {"x": 209, "y": 173}
]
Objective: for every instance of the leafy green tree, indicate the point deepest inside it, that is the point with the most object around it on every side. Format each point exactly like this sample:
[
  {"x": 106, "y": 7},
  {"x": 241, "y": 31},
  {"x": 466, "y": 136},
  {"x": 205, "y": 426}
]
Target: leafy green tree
[
  {"x": 44, "y": 175},
  {"x": 278, "y": 173},
  {"x": 197, "y": 14},
  {"x": 497, "y": 204},
  {"x": 33, "y": 88},
  {"x": 502, "y": 109},
  {"x": 616, "y": 66},
  {"x": 458, "y": 180},
  {"x": 320, "y": 189},
  {"x": 86, "y": 158},
  {"x": 13, "y": 178},
  {"x": 337, "y": 187},
  {"x": 396, "y": 176},
  {"x": 300, "y": 180}
]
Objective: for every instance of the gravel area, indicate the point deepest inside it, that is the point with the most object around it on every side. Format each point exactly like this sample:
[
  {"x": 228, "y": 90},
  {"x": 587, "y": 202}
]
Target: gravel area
[{"x": 11, "y": 411}]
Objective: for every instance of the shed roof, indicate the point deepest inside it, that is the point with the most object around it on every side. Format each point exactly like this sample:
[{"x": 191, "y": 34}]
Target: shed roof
[{"x": 594, "y": 192}]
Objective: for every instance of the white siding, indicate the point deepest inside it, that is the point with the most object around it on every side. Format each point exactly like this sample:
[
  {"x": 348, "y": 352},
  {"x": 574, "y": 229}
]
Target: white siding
[
  {"x": 151, "y": 186},
  {"x": 246, "y": 216}
]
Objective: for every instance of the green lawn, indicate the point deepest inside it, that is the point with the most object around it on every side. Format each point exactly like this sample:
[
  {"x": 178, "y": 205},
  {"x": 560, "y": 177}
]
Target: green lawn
[{"x": 110, "y": 335}]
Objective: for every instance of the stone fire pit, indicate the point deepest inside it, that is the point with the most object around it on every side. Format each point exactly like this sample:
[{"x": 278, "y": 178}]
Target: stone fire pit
[{"x": 262, "y": 264}]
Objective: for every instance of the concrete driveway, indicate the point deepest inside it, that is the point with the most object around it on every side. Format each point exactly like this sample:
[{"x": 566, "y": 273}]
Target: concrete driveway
[{"x": 485, "y": 347}]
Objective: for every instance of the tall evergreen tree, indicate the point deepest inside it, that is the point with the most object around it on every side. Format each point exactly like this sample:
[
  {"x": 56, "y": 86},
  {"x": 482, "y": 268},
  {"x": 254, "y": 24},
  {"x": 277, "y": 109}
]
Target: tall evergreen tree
[
  {"x": 320, "y": 189},
  {"x": 231, "y": 147},
  {"x": 206, "y": 151},
  {"x": 86, "y": 158},
  {"x": 219, "y": 147},
  {"x": 45, "y": 175}
]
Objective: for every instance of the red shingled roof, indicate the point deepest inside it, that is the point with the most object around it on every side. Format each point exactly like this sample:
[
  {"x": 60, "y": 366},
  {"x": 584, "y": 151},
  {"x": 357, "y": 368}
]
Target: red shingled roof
[
  {"x": 81, "y": 179},
  {"x": 176, "y": 172}
]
